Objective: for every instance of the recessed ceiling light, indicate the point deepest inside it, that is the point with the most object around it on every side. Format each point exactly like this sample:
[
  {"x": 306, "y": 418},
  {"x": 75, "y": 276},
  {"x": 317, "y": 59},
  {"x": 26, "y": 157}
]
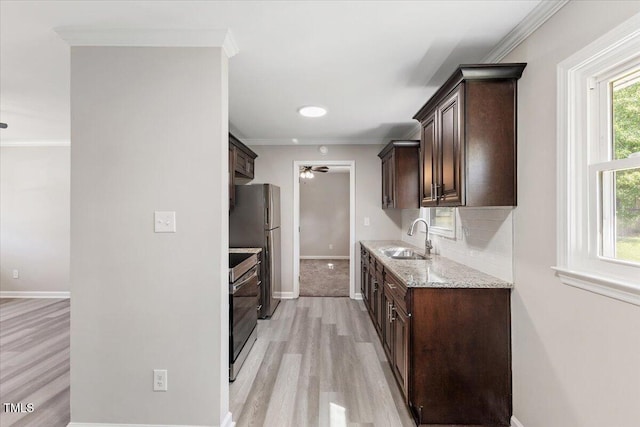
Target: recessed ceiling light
[{"x": 312, "y": 111}]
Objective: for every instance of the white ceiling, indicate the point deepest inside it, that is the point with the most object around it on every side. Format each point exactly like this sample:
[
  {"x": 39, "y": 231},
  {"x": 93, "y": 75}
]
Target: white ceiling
[{"x": 371, "y": 64}]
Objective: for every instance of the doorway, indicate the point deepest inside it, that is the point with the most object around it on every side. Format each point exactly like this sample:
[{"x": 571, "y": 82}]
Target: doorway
[{"x": 324, "y": 228}]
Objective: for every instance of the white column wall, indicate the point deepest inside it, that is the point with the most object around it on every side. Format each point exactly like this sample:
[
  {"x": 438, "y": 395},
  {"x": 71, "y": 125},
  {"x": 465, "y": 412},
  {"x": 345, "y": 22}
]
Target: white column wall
[{"x": 148, "y": 132}]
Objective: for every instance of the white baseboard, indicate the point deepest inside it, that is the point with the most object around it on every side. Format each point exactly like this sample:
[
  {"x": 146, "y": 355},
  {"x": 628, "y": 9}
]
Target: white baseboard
[
  {"x": 515, "y": 422},
  {"x": 132, "y": 425},
  {"x": 228, "y": 421},
  {"x": 358, "y": 296},
  {"x": 34, "y": 294},
  {"x": 325, "y": 257},
  {"x": 284, "y": 295}
]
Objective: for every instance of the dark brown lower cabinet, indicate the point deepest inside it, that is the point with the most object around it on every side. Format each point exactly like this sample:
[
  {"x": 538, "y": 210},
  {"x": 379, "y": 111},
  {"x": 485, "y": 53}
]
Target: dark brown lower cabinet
[
  {"x": 400, "y": 330},
  {"x": 449, "y": 350},
  {"x": 364, "y": 277},
  {"x": 387, "y": 331},
  {"x": 380, "y": 309}
]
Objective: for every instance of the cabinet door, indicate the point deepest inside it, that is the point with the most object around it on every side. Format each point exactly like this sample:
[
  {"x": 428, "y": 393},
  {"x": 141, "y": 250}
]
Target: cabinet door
[
  {"x": 387, "y": 335},
  {"x": 385, "y": 190},
  {"x": 381, "y": 306},
  {"x": 232, "y": 188},
  {"x": 400, "y": 327},
  {"x": 391, "y": 180},
  {"x": 364, "y": 278},
  {"x": 449, "y": 150},
  {"x": 249, "y": 168},
  {"x": 428, "y": 166},
  {"x": 372, "y": 294},
  {"x": 387, "y": 181}
]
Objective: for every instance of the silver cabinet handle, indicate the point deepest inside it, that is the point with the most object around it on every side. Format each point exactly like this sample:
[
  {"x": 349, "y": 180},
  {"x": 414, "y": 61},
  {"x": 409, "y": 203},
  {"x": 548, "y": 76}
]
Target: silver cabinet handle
[
  {"x": 259, "y": 307},
  {"x": 251, "y": 277}
]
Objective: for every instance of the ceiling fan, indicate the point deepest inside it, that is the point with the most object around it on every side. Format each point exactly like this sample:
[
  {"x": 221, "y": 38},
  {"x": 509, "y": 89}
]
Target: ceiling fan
[{"x": 307, "y": 171}]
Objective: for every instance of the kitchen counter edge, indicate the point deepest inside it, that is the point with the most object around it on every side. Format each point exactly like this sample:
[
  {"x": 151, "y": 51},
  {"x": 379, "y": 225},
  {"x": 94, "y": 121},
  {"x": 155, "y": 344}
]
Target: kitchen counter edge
[
  {"x": 245, "y": 250},
  {"x": 436, "y": 272}
]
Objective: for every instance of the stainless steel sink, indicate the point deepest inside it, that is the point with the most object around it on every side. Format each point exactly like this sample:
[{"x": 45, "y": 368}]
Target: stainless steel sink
[{"x": 402, "y": 253}]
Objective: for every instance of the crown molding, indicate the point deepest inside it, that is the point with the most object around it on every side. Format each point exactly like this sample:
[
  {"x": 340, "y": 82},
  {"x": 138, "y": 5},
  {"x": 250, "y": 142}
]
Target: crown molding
[
  {"x": 22, "y": 144},
  {"x": 316, "y": 141},
  {"x": 89, "y": 36},
  {"x": 538, "y": 16}
]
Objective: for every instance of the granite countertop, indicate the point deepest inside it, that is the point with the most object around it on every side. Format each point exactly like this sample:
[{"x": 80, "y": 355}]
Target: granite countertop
[
  {"x": 436, "y": 272},
  {"x": 245, "y": 250}
]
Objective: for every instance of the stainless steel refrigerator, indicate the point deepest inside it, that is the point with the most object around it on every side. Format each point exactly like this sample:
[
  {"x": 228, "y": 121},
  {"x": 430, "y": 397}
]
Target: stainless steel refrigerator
[{"x": 254, "y": 222}]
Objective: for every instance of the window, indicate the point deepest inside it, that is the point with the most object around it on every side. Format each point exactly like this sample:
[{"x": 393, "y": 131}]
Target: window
[
  {"x": 599, "y": 165},
  {"x": 615, "y": 172},
  {"x": 442, "y": 221}
]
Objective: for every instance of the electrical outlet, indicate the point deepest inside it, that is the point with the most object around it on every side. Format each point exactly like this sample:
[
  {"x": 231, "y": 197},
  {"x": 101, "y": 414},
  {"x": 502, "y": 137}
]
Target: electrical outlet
[
  {"x": 159, "y": 380},
  {"x": 16, "y": 274},
  {"x": 330, "y": 245}
]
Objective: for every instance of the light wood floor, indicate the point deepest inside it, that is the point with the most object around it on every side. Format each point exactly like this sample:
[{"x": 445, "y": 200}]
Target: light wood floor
[
  {"x": 34, "y": 360},
  {"x": 317, "y": 362}
]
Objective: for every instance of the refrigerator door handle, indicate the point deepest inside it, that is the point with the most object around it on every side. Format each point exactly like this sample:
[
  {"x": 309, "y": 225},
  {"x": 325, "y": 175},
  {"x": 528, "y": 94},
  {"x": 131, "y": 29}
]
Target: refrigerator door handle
[{"x": 267, "y": 253}]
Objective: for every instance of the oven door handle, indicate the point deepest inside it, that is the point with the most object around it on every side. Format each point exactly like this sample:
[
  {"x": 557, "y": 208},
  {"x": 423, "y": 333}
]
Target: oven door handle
[{"x": 252, "y": 276}]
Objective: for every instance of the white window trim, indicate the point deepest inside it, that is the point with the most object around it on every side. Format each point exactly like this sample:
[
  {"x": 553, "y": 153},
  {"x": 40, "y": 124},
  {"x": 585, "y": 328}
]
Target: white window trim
[{"x": 577, "y": 265}]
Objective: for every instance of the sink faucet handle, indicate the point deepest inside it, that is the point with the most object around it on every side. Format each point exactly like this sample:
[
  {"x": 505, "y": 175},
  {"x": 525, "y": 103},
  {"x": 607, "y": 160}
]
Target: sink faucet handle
[{"x": 427, "y": 246}]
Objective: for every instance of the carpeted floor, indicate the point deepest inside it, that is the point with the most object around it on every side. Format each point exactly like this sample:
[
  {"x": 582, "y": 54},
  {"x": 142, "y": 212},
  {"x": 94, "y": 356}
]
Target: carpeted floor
[{"x": 324, "y": 277}]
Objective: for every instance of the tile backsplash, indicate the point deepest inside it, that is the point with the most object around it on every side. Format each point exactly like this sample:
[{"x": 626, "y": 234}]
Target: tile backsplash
[{"x": 484, "y": 239}]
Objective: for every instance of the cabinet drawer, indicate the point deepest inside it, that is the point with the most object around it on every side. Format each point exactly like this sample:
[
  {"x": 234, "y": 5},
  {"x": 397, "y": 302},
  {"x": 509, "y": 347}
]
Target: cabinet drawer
[{"x": 397, "y": 290}]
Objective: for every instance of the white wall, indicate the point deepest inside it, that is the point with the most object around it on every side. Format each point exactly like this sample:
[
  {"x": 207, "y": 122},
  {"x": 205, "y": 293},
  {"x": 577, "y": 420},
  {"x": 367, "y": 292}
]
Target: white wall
[
  {"x": 275, "y": 165},
  {"x": 148, "y": 132},
  {"x": 34, "y": 219},
  {"x": 324, "y": 215},
  {"x": 484, "y": 239},
  {"x": 575, "y": 353}
]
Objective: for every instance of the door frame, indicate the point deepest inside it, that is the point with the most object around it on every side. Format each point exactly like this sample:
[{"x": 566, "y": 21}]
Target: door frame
[{"x": 351, "y": 164}]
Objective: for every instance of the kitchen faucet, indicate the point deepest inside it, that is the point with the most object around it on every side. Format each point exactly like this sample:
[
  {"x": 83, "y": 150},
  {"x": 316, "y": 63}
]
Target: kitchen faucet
[{"x": 427, "y": 242}]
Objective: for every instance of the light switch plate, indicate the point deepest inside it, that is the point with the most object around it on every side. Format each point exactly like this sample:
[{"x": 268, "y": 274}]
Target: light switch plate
[
  {"x": 164, "y": 222},
  {"x": 367, "y": 222}
]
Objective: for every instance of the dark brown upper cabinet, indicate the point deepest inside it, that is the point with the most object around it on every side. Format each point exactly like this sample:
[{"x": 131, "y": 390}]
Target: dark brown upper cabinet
[
  {"x": 244, "y": 158},
  {"x": 400, "y": 174},
  {"x": 241, "y": 166},
  {"x": 468, "y": 139}
]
